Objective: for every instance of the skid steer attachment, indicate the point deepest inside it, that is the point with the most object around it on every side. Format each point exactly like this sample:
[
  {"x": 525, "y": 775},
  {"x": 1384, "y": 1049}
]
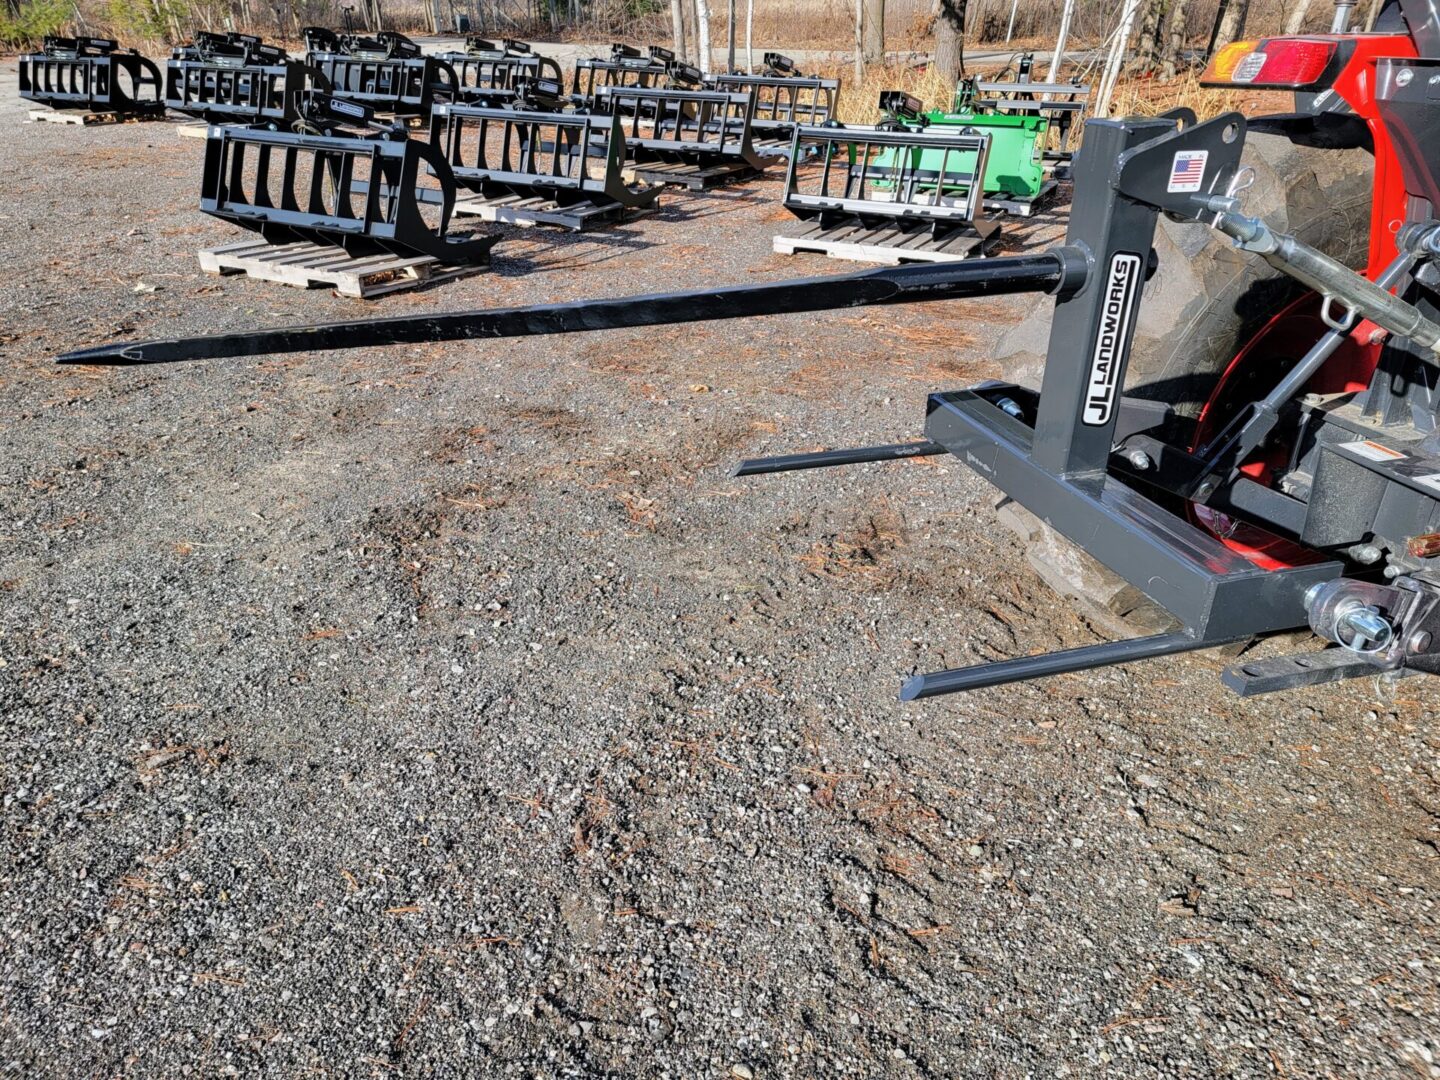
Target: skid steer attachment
[
  {"x": 386, "y": 73},
  {"x": 237, "y": 78},
  {"x": 696, "y": 139},
  {"x": 626, "y": 67},
  {"x": 92, "y": 74},
  {"x": 528, "y": 167},
  {"x": 875, "y": 195},
  {"x": 1062, "y": 104},
  {"x": 490, "y": 73},
  {"x": 361, "y": 190},
  {"x": 1016, "y": 179},
  {"x": 782, "y": 103}
]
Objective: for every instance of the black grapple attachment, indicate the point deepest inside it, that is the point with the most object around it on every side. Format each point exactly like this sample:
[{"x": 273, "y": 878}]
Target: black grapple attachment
[
  {"x": 93, "y": 74},
  {"x": 490, "y": 73},
  {"x": 517, "y": 160},
  {"x": 387, "y": 72},
  {"x": 237, "y": 78},
  {"x": 692, "y": 138},
  {"x": 340, "y": 180},
  {"x": 626, "y": 66},
  {"x": 783, "y": 102}
]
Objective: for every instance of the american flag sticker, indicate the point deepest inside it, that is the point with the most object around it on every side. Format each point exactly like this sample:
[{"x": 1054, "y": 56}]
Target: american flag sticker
[{"x": 1188, "y": 171}]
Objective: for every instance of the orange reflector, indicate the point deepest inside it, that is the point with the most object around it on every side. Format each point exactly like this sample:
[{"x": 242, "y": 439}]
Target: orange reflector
[
  {"x": 1223, "y": 63},
  {"x": 1423, "y": 547}
]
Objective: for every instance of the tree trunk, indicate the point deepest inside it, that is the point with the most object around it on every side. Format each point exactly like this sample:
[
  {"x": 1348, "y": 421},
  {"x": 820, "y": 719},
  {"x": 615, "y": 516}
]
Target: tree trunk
[
  {"x": 1146, "y": 56},
  {"x": 1057, "y": 60},
  {"x": 677, "y": 27},
  {"x": 750, "y": 37},
  {"x": 1174, "y": 43},
  {"x": 859, "y": 42},
  {"x": 702, "y": 32},
  {"x": 950, "y": 40},
  {"x": 730, "y": 46},
  {"x": 873, "y": 39},
  {"x": 1296, "y": 20},
  {"x": 1232, "y": 24}
]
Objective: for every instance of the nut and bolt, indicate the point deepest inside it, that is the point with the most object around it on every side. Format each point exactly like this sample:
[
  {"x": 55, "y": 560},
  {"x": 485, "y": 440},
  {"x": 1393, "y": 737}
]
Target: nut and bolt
[
  {"x": 1366, "y": 553},
  {"x": 1419, "y": 642},
  {"x": 1139, "y": 459}
]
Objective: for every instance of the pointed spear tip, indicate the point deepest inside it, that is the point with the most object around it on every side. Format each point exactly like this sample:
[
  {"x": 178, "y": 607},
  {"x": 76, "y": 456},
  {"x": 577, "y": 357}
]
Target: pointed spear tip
[{"x": 110, "y": 355}]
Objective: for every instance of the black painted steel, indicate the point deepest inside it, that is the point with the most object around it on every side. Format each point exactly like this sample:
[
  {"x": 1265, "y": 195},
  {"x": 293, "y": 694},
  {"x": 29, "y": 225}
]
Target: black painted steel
[
  {"x": 782, "y": 102},
  {"x": 361, "y": 191},
  {"x": 565, "y": 157},
  {"x": 1021, "y": 669},
  {"x": 236, "y": 78},
  {"x": 874, "y": 177},
  {"x": 1045, "y": 272},
  {"x": 92, "y": 74},
  {"x": 386, "y": 73},
  {"x": 825, "y": 459},
  {"x": 700, "y": 128},
  {"x": 490, "y": 72}
]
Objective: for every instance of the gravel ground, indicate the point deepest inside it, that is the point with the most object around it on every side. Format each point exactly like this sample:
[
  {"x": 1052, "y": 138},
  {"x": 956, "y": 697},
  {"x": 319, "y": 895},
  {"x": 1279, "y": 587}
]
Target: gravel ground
[{"x": 450, "y": 711}]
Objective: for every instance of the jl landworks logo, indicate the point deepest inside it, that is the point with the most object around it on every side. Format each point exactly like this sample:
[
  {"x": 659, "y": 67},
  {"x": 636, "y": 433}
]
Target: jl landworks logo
[{"x": 1122, "y": 289}]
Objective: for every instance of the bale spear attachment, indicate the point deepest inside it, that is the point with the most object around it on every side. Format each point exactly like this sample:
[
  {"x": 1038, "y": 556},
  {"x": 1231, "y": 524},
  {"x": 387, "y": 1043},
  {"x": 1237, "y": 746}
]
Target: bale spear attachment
[{"x": 1062, "y": 269}]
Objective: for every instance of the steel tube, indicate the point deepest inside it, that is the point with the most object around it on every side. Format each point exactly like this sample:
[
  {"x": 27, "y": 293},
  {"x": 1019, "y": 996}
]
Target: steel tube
[
  {"x": 827, "y": 458},
  {"x": 979, "y": 676}
]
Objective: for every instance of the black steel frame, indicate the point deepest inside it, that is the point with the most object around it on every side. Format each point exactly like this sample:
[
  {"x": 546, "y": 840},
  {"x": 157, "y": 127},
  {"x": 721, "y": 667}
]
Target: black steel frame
[
  {"x": 569, "y": 158},
  {"x": 243, "y": 81},
  {"x": 364, "y": 193},
  {"x": 92, "y": 74}
]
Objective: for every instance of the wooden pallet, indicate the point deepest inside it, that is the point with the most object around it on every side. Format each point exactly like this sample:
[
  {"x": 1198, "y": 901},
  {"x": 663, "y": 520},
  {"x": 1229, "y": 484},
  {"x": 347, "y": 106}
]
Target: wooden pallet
[
  {"x": 690, "y": 177},
  {"x": 304, "y": 264},
  {"x": 519, "y": 210},
  {"x": 89, "y": 119},
  {"x": 1002, "y": 204},
  {"x": 891, "y": 244},
  {"x": 192, "y": 131}
]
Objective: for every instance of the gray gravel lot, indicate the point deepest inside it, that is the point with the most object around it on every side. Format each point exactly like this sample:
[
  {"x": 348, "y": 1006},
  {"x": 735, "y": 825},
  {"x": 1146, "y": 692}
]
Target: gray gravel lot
[{"x": 450, "y": 711}]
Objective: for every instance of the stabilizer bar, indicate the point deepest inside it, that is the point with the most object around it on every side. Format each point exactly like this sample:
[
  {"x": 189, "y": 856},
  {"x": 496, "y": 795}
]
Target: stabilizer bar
[{"x": 1061, "y": 270}]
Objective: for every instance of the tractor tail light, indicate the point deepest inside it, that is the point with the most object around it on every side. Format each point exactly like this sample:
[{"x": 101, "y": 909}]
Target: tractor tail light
[{"x": 1273, "y": 63}]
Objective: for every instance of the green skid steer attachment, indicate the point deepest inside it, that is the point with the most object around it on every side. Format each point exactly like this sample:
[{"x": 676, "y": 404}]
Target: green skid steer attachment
[{"x": 1016, "y": 180}]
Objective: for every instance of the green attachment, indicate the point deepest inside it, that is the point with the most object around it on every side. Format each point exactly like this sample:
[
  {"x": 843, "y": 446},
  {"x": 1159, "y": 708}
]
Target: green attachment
[{"x": 1016, "y": 168}]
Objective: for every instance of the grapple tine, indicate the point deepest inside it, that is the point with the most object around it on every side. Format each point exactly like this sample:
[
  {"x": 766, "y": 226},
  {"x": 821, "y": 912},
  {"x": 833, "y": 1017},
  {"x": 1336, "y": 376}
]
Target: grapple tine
[
  {"x": 783, "y": 101},
  {"x": 386, "y": 73}
]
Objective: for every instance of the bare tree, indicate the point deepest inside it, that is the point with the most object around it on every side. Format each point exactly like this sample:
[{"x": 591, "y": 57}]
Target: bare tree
[
  {"x": 1232, "y": 22},
  {"x": 677, "y": 27},
  {"x": 873, "y": 38},
  {"x": 1146, "y": 55},
  {"x": 1174, "y": 46},
  {"x": 1295, "y": 22},
  {"x": 750, "y": 37},
  {"x": 702, "y": 32},
  {"x": 950, "y": 39}
]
